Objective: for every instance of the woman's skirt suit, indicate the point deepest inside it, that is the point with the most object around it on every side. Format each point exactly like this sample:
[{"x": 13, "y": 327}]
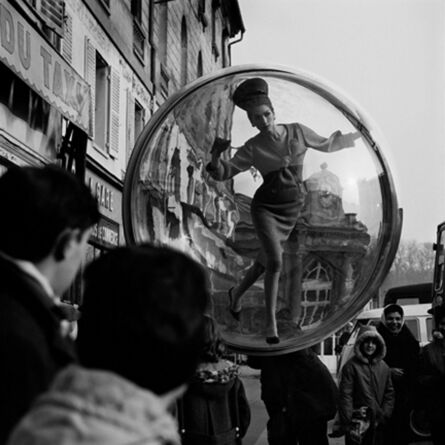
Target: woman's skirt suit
[{"x": 274, "y": 221}]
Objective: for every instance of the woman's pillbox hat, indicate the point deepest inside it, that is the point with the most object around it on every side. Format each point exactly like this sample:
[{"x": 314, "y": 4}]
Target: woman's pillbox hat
[{"x": 252, "y": 92}]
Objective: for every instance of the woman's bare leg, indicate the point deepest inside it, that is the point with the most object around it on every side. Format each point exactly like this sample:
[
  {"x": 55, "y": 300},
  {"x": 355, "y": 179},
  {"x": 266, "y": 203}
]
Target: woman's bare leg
[
  {"x": 251, "y": 276},
  {"x": 270, "y": 238},
  {"x": 271, "y": 282}
]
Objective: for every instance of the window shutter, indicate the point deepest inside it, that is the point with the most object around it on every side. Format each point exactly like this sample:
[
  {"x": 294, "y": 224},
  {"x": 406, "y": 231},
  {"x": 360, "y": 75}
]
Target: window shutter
[
  {"x": 90, "y": 77},
  {"x": 52, "y": 13},
  {"x": 67, "y": 46},
  {"x": 114, "y": 114},
  {"x": 130, "y": 124}
]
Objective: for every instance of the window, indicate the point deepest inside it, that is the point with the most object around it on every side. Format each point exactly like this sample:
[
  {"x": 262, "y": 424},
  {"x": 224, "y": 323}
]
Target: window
[
  {"x": 101, "y": 112},
  {"x": 30, "y": 118},
  {"x": 199, "y": 71},
  {"x": 138, "y": 32},
  {"x": 215, "y": 49},
  {"x": 202, "y": 13},
  {"x": 52, "y": 17},
  {"x": 136, "y": 10},
  {"x": 135, "y": 122},
  {"x": 138, "y": 41},
  {"x": 139, "y": 113},
  {"x": 163, "y": 32},
  {"x": 105, "y": 96},
  {"x": 429, "y": 329},
  {"x": 413, "y": 326},
  {"x": 184, "y": 52},
  {"x": 224, "y": 39},
  {"x": 316, "y": 291}
]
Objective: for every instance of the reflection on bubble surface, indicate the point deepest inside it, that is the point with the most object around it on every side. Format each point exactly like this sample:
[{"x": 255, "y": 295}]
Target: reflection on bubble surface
[{"x": 341, "y": 242}]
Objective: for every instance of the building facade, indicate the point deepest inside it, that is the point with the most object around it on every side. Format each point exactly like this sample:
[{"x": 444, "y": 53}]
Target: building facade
[{"x": 81, "y": 78}]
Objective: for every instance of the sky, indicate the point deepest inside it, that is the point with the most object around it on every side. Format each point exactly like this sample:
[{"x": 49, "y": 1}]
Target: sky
[{"x": 387, "y": 56}]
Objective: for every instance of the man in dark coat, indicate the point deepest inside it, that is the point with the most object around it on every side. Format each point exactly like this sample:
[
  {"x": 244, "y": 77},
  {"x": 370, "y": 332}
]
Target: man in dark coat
[
  {"x": 300, "y": 396},
  {"x": 402, "y": 352},
  {"x": 432, "y": 378},
  {"x": 47, "y": 215}
]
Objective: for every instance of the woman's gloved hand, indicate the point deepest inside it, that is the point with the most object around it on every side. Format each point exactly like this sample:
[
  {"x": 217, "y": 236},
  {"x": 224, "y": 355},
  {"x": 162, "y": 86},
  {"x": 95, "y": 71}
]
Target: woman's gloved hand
[{"x": 220, "y": 145}]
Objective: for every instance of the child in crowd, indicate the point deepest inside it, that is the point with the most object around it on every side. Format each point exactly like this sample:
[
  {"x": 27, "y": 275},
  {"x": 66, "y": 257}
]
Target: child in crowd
[
  {"x": 366, "y": 392},
  {"x": 214, "y": 410}
]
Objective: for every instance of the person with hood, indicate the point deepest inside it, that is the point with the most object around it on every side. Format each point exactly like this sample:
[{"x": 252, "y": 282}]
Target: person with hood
[
  {"x": 214, "y": 410},
  {"x": 366, "y": 393},
  {"x": 277, "y": 151},
  {"x": 432, "y": 378},
  {"x": 139, "y": 340},
  {"x": 402, "y": 356},
  {"x": 300, "y": 396}
]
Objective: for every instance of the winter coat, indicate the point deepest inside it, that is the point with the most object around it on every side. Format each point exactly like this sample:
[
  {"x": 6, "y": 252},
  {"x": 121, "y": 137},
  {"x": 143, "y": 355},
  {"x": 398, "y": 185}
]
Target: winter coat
[
  {"x": 432, "y": 380},
  {"x": 96, "y": 407},
  {"x": 32, "y": 347},
  {"x": 298, "y": 383},
  {"x": 402, "y": 351},
  {"x": 214, "y": 409},
  {"x": 366, "y": 382}
]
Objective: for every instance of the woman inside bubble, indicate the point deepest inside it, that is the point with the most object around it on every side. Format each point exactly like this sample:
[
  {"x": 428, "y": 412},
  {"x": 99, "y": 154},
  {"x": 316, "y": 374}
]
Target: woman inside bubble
[{"x": 277, "y": 151}]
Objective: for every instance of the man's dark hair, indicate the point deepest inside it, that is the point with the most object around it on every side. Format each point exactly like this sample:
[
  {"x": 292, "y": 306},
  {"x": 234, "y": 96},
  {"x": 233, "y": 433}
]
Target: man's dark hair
[
  {"x": 393, "y": 308},
  {"x": 38, "y": 204},
  {"x": 142, "y": 315}
]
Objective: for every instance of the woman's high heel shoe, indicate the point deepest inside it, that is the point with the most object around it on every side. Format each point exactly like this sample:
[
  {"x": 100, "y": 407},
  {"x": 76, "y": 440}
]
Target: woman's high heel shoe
[
  {"x": 273, "y": 340},
  {"x": 272, "y": 337}
]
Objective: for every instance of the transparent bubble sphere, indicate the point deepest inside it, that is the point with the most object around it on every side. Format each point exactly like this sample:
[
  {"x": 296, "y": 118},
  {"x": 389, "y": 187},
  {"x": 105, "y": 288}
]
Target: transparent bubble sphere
[{"x": 336, "y": 242}]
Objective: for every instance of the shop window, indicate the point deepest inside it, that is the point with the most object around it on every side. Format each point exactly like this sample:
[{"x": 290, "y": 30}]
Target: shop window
[
  {"x": 101, "y": 114},
  {"x": 23, "y": 102}
]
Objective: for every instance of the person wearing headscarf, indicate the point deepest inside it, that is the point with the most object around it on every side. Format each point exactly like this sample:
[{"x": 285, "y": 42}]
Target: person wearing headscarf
[
  {"x": 366, "y": 392},
  {"x": 402, "y": 356},
  {"x": 277, "y": 151}
]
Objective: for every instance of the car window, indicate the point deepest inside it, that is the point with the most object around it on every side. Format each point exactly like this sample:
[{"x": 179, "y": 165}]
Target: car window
[
  {"x": 429, "y": 328},
  {"x": 413, "y": 326}
]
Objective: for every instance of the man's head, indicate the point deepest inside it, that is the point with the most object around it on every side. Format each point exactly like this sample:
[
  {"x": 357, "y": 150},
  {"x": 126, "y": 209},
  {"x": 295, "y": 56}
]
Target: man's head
[
  {"x": 393, "y": 318},
  {"x": 143, "y": 316},
  {"x": 46, "y": 216},
  {"x": 439, "y": 318}
]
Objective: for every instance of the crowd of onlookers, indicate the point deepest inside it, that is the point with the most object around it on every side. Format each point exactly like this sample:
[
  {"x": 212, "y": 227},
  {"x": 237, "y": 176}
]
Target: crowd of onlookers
[{"x": 148, "y": 365}]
